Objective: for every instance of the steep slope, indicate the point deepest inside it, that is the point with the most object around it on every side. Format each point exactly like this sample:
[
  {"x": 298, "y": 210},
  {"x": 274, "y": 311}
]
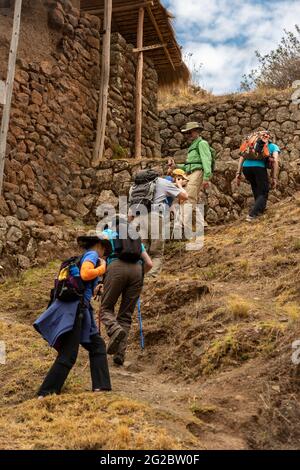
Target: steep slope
[{"x": 217, "y": 370}]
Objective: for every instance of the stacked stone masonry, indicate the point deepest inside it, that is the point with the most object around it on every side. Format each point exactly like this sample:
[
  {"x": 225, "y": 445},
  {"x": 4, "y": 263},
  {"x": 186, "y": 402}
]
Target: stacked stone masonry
[
  {"x": 226, "y": 121},
  {"x": 49, "y": 177},
  {"x": 48, "y": 171},
  {"x": 50, "y": 184}
]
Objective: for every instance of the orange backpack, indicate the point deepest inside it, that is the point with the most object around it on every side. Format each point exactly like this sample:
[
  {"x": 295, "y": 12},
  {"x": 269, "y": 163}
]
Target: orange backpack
[{"x": 253, "y": 148}]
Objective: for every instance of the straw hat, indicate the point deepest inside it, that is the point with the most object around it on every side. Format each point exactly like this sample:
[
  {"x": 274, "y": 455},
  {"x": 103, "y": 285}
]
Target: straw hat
[
  {"x": 190, "y": 126},
  {"x": 92, "y": 236}
]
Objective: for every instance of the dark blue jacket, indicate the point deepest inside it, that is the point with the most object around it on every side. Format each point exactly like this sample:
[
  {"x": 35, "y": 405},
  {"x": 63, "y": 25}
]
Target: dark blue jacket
[{"x": 59, "y": 318}]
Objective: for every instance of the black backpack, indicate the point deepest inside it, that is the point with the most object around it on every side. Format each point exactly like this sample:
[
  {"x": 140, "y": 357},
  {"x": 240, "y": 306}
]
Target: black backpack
[
  {"x": 143, "y": 190},
  {"x": 68, "y": 285},
  {"x": 128, "y": 250}
]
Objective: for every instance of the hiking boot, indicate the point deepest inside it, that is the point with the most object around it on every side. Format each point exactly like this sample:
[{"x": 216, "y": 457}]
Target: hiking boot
[
  {"x": 195, "y": 245},
  {"x": 118, "y": 360},
  {"x": 250, "y": 218},
  {"x": 115, "y": 340}
]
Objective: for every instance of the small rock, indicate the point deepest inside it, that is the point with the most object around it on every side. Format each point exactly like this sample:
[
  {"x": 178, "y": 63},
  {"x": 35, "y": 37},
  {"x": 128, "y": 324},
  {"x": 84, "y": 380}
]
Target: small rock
[
  {"x": 14, "y": 234},
  {"x": 49, "y": 219},
  {"x": 13, "y": 221},
  {"x": 23, "y": 262},
  {"x": 22, "y": 214}
]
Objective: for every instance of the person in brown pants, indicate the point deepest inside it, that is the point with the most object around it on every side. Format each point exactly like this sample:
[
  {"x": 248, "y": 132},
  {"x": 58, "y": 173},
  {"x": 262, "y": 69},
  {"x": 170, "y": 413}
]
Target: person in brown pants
[{"x": 125, "y": 280}]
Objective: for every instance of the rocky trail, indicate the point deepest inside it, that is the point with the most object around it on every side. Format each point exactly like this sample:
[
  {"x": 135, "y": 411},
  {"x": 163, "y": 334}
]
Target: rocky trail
[{"x": 216, "y": 372}]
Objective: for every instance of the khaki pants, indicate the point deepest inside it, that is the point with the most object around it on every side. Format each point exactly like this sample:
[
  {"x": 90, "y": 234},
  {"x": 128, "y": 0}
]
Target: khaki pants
[
  {"x": 123, "y": 280},
  {"x": 193, "y": 189},
  {"x": 194, "y": 186},
  {"x": 154, "y": 246}
]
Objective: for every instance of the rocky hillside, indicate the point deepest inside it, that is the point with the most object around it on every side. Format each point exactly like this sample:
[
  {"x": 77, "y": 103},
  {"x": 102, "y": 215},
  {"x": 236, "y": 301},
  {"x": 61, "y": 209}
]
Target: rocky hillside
[{"x": 217, "y": 369}]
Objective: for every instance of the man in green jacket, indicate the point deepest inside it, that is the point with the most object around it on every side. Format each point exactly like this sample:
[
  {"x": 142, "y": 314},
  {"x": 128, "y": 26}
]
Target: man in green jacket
[{"x": 198, "y": 165}]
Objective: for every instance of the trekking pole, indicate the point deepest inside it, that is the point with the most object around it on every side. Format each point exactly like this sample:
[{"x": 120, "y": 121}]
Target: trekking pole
[{"x": 142, "y": 340}]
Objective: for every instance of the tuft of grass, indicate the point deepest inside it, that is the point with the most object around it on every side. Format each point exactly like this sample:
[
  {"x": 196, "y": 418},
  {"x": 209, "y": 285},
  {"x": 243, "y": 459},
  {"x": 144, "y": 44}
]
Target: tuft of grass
[
  {"x": 119, "y": 152},
  {"x": 292, "y": 309},
  {"x": 296, "y": 245},
  {"x": 203, "y": 410},
  {"x": 238, "y": 307}
]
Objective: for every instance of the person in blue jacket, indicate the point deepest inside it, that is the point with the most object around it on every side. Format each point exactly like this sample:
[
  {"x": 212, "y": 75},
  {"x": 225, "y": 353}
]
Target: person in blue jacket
[{"x": 66, "y": 325}]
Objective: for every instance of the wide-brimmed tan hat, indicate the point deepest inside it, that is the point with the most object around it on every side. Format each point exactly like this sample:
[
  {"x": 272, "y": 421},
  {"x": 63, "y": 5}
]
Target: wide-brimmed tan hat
[
  {"x": 190, "y": 126},
  {"x": 92, "y": 236},
  {"x": 181, "y": 173}
]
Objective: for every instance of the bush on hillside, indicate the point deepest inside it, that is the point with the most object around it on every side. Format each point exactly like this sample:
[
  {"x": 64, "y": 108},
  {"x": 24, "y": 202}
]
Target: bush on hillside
[{"x": 278, "y": 69}]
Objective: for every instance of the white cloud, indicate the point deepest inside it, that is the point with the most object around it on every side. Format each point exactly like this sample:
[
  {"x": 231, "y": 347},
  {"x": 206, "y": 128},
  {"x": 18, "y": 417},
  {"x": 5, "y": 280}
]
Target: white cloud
[{"x": 224, "y": 34}]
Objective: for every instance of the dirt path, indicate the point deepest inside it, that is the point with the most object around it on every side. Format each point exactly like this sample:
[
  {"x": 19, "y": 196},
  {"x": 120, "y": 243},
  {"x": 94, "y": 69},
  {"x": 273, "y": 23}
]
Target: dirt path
[{"x": 213, "y": 410}]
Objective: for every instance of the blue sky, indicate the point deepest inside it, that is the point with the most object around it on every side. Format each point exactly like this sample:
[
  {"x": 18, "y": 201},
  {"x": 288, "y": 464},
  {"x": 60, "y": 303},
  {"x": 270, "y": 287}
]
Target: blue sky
[{"x": 224, "y": 34}]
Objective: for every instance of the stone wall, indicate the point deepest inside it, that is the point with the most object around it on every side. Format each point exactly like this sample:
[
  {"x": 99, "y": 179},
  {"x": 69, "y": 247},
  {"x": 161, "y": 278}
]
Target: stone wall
[
  {"x": 24, "y": 243},
  {"x": 49, "y": 183},
  {"x": 48, "y": 173},
  {"x": 226, "y": 121},
  {"x": 29, "y": 243}
]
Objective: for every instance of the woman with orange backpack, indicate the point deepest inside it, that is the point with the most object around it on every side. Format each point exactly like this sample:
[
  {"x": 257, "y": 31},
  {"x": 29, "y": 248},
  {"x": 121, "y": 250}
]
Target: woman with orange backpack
[{"x": 258, "y": 154}]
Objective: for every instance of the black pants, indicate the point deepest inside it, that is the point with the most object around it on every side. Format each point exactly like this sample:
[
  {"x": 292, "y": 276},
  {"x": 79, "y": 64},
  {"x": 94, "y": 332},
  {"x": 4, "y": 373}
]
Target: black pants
[
  {"x": 66, "y": 359},
  {"x": 258, "y": 178}
]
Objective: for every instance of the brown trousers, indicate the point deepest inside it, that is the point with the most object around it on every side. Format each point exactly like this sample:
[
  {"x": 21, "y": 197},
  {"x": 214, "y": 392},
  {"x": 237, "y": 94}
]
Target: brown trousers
[
  {"x": 154, "y": 246},
  {"x": 123, "y": 280}
]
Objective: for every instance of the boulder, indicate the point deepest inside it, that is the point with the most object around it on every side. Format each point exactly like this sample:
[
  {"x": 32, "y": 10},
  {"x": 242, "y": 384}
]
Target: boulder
[{"x": 14, "y": 234}]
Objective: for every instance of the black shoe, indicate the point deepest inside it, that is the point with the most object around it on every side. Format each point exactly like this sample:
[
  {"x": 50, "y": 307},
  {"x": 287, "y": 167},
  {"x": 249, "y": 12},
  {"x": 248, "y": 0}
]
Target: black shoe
[
  {"x": 115, "y": 340},
  {"x": 118, "y": 360}
]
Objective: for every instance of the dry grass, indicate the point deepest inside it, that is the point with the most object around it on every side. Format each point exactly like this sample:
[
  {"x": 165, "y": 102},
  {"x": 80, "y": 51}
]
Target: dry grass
[
  {"x": 292, "y": 309},
  {"x": 241, "y": 342},
  {"x": 181, "y": 95},
  {"x": 184, "y": 95},
  {"x": 86, "y": 422},
  {"x": 26, "y": 296},
  {"x": 74, "y": 420},
  {"x": 238, "y": 307}
]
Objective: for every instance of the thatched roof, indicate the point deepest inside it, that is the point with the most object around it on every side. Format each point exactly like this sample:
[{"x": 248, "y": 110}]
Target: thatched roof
[{"x": 158, "y": 29}]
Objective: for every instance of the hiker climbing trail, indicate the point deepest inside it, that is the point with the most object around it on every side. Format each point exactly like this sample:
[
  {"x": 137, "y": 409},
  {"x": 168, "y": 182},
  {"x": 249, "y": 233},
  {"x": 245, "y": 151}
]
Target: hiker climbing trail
[{"x": 203, "y": 346}]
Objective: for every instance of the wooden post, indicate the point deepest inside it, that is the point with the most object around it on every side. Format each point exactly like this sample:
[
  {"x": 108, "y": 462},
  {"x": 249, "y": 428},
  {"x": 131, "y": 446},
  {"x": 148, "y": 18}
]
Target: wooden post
[
  {"x": 104, "y": 85},
  {"x": 9, "y": 87},
  {"x": 139, "y": 86}
]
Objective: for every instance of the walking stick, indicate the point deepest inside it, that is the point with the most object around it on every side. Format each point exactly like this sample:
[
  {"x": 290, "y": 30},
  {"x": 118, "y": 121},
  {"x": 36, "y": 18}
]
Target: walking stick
[{"x": 142, "y": 340}]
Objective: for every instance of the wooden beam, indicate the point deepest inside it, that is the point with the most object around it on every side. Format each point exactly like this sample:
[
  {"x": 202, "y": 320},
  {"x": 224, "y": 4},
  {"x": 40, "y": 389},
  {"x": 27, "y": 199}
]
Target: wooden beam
[
  {"x": 154, "y": 22},
  {"x": 149, "y": 48},
  {"x": 139, "y": 86},
  {"x": 104, "y": 86},
  {"x": 2, "y": 92},
  {"x": 9, "y": 87},
  {"x": 125, "y": 8}
]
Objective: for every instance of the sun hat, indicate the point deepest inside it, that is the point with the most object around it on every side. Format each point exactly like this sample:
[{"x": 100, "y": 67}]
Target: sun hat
[
  {"x": 93, "y": 237},
  {"x": 180, "y": 173},
  {"x": 190, "y": 126}
]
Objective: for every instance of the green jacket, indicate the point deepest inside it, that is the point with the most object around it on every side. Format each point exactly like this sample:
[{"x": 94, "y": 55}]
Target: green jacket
[{"x": 199, "y": 158}]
